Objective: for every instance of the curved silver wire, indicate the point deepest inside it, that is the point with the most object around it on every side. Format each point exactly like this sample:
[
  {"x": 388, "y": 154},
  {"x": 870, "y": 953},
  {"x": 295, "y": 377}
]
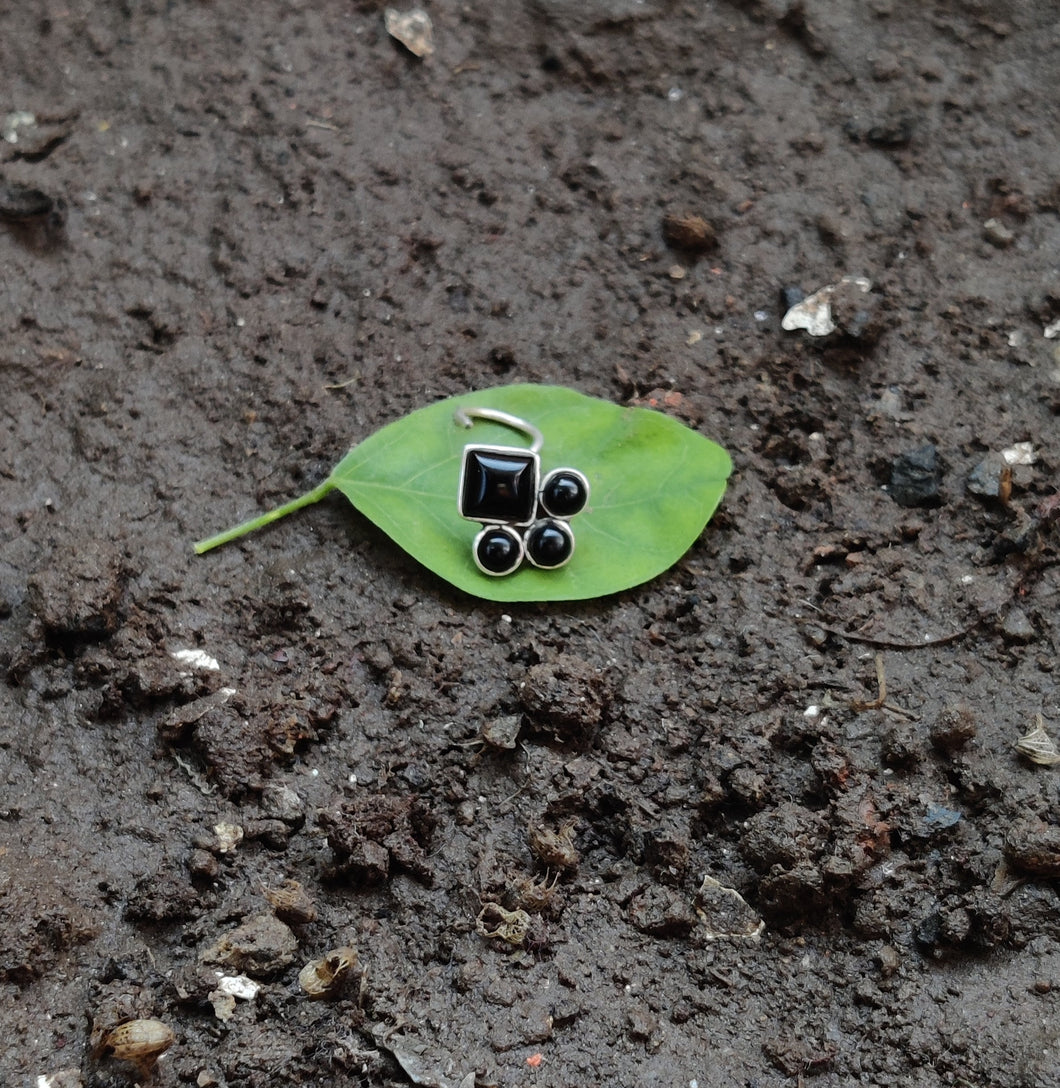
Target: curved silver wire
[{"x": 465, "y": 417}]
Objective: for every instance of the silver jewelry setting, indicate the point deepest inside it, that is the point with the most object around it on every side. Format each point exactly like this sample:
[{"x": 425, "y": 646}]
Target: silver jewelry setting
[{"x": 523, "y": 517}]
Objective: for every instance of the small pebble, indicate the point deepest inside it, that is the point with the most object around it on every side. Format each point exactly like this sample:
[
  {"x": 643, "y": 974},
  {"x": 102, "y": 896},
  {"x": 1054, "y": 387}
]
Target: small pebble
[
  {"x": 1017, "y": 626},
  {"x": 791, "y": 296},
  {"x": 412, "y": 28},
  {"x": 997, "y": 234},
  {"x": 19, "y": 203},
  {"x": 991, "y": 478},
  {"x": 689, "y": 233},
  {"x": 203, "y": 865},
  {"x": 503, "y": 732},
  {"x": 280, "y": 802},
  {"x": 885, "y": 66},
  {"x": 915, "y": 477},
  {"x": 900, "y": 745}
]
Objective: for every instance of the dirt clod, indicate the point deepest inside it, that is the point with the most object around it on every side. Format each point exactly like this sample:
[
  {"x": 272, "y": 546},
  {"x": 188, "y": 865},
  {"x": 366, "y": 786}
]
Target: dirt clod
[
  {"x": 954, "y": 728},
  {"x": 78, "y": 596},
  {"x": 370, "y": 835},
  {"x": 565, "y": 699},
  {"x": 261, "y": 947},
  {"x": 291, "y": 902},
  {"x": 662, "y": 912},
  {"x": 1034, "y": 847}
]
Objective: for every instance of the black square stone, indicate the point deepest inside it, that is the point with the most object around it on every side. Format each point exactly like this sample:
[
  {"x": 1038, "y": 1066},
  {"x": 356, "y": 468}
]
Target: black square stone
[{"x": 499, "y": 485}]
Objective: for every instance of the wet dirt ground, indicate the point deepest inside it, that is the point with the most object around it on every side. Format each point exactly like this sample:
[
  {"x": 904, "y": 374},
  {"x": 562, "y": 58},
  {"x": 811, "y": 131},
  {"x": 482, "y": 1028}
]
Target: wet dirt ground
[{"x": 233, "y": 241}]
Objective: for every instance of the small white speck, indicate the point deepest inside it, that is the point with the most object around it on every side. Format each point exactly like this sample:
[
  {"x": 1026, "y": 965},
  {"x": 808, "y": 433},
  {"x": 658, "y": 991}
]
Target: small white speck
[
  {"x": 352, "y": 780},
  {"x": 9, "y": 130},
  {"x": 675, "y": 94},
  {"x": 314, "y": 773},
  {"x": 811, "y": 711},
  {"x": 240, "y": 322},
  {"x": 197, "y": 659},
  {"x": 968, "y": 579},
  {"x": 761, "y": 315}
]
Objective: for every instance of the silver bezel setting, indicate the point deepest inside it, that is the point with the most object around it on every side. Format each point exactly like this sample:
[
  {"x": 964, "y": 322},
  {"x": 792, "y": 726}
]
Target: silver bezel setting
[
  {"x": 493, "y": 527},
  {"x": 565, "y": 472},
  {"x": 564, "y": 528}
]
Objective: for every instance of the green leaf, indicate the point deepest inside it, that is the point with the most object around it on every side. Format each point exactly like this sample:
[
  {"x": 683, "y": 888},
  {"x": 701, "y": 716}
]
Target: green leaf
[{"x": 654, "y": 482}]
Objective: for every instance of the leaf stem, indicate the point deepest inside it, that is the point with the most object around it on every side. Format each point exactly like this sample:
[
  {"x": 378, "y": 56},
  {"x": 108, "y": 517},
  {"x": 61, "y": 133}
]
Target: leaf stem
[{"x": 268, "y": 518}]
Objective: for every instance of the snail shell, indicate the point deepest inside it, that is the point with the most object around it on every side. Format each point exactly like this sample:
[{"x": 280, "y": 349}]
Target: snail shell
[
  {"x": 555, "y": 849},
  {"x": 325, "y": 977},
  {"x": 512, "y": 926},
  {"x": 139, "y": 1041}
]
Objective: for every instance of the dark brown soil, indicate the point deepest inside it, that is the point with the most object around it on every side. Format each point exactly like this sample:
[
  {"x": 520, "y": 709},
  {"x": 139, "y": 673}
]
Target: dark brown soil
[{"x": 235, "y": 239}]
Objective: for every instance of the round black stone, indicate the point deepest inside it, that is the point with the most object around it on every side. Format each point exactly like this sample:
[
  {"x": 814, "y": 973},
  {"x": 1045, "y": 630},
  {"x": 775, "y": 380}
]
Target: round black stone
[
  {"x": 498, "y": 551},
  {"x": 564, "y": 494},
  {"x": 549, "y": 545}
]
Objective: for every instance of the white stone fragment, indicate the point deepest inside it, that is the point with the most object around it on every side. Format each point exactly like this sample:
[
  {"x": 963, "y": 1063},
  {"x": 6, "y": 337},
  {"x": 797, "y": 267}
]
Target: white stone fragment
[
  {"x": 814, "y": 313},
  {"x": 726, "y": 914},
  {"x": 12, "y": 122},
  {"x": 64, "y": 1078},
  {"x": 197, "y": 659},
  {"x": 412, "y": 28},
  {"x": 229, "y": 836},
  {"x": 238, "y": 986},
  {"x": 1022, "y": 453}
]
